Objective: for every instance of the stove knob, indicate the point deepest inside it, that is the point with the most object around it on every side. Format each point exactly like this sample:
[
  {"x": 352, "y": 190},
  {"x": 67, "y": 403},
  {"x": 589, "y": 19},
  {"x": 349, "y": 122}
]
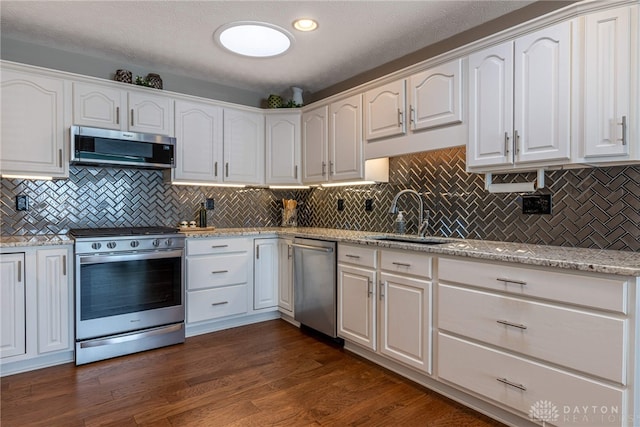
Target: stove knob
[
  {"x": 156, "y": 242},
  {"x": 169, "y": 242},
  {"x": 96, "y": 246},
  {"x": 135, "y": 243},
  {"x": 111, "y": 245}
]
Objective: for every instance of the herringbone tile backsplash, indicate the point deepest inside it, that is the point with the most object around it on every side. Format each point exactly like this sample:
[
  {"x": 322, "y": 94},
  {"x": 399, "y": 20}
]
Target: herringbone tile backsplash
[{"x": 592, "y": 208}]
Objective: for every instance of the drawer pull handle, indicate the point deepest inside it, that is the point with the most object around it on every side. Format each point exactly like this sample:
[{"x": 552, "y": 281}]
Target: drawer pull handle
[
  {"x": 219, "y": 271},
  {"x": 515, "y": 282},
  {"x": 513, "y": 325},
  {"x": 352, "y": 256},
  {"x": 219, "y": 246},
  {"x": 219, "y": 303},
  {"x": 401, "y": 264},
  {"x": 514, "y": 385}
]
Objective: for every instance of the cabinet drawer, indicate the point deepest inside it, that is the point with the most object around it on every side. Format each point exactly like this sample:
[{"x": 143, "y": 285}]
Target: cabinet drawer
[
  {"x": 406, "y": 262},
  {"x": 581, "y": 289},
  {"x": 214, "y": 303},
  {"x": 481, "y": 370},
  {"x": 214, "y": 246},
  {"x": 588, "y": 342},
  {"x": 358, "y": 255},
  {"x": 220, "y": 270}
]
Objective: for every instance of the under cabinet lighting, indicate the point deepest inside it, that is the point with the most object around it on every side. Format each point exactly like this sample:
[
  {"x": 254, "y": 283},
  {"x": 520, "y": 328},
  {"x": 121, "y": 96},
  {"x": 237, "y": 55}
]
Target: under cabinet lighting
[
  {"x": 289, "y": 187},
  {"x": 31, "y": 177},
  {"x": 344, "y": 184},
  {"x": 208, "y": 184}
]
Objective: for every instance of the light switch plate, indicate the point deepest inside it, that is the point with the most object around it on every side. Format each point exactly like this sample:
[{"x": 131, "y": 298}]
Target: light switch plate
[{"x": 22, "y": 202}]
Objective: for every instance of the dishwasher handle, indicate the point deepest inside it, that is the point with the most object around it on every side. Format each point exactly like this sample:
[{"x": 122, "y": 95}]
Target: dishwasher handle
[{"x": 313, "y": 248}]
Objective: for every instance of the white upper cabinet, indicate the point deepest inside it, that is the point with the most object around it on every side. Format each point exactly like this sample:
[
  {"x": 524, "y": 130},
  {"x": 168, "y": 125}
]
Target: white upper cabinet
[
  {"x": 283, "y": 149},
  {"x": 315, "y": 145},
  {"x": 610, "y": 44},
  {"x": 424, "y": 111},
  {"x": 199, "y": 142},
  {"x": 385, "y": 110},
  {"x": 345, "y": 139},
  {"x": 109, "y": 107},
  {"x": 532, "y": 74},
  {"x": 243, "y": 147},
  {"x": 34, "y": 124},
  {"x": 435, "y": 96}
]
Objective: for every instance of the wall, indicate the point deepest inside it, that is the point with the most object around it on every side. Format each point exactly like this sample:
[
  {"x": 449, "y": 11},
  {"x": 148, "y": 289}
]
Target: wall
[
  {"x": 57, "y": 59},
  {"x": 593, "y": 208}
]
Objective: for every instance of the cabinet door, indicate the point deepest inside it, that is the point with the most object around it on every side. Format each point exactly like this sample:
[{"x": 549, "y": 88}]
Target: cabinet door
[
  {"x": 315, "y": 146},
  {"x": 345, "y": 139},
  {"x": 150, "y": 113},
  {"x": 243, "y": 147},
  {"x": 12, "y": 301},
  {"x": 54, "y": 294},
  {"x": 542, "y": 94},
  {"x": 33, "y": 125},
  {"x": 285, "y": 276},
  {"x": 607, "y": 82},
  {"x": 435, "y": 96},
  {"x": 405, "y": 320},
  {"x": 490, "y": 106},
  {"x": 199, "y": 142},
  {"x": 99, "y": 106},
  {"x": 283, "y": 149},
  {"x": 265, "y": 291},
  {"x": 385, "y": 111},
  {"x": 356, "y": 305}
]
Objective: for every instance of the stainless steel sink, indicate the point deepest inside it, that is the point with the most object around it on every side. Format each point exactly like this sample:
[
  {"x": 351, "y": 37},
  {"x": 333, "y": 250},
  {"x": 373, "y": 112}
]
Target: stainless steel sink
[{"x": 409, "y": 239}]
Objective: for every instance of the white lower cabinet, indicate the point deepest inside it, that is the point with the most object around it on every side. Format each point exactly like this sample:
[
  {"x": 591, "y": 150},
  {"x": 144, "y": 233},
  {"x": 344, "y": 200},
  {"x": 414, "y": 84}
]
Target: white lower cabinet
[
  {"x": 218, "y": 277},
  {"x": 36, "y": 291},
  {"x": 285, "y": 277},
  {"x": 528, "y": 387},
  {"x": 522, "y": 337},
  {"x": 392, "y": 315},
  {"x": 12, "y": 300},
  {"x": 265, "y": 279}
]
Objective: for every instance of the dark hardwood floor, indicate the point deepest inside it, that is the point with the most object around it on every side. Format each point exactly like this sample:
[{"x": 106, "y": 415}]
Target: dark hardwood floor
[{"x": 267, "y": 374}]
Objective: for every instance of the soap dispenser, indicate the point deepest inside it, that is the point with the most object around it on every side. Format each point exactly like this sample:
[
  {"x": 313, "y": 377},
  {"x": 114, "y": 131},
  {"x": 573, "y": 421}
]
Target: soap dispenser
[
  {"x": 400, "y": 224},
  {"x": 202, "y": 216}
]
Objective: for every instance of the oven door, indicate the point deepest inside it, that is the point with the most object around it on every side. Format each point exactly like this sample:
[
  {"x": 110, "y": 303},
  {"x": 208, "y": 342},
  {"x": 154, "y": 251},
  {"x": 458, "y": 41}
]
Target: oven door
[{"x": 118, "y": 293}]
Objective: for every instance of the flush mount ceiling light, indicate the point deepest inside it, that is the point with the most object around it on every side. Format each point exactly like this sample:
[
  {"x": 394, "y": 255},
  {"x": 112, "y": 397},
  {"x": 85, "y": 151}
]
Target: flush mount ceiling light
[
  {"x": 305, "y": 24},
  {"x": 255, "y": 39}
]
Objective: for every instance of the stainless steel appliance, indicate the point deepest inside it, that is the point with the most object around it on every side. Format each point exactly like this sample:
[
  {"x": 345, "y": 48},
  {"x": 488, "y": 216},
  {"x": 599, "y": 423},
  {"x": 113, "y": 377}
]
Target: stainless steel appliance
[
  {"x": 95, "y": 146},
  {"x": 314, "y": 265},
  {"x": 129, "y": 290}
]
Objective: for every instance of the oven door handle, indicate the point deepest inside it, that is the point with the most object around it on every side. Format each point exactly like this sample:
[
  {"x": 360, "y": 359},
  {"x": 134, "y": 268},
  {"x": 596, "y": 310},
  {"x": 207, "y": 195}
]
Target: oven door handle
[{"x": 100, "y": 259}]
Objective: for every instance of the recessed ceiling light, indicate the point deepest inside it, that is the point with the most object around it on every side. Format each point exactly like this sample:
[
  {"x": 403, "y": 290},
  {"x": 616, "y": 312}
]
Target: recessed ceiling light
[
  {"x": 305, "y": 24},
  {"x": 256, "y": 39}
]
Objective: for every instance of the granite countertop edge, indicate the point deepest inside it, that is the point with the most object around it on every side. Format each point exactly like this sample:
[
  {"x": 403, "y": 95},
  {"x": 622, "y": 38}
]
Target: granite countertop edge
[{"x": 626, "y": 263}]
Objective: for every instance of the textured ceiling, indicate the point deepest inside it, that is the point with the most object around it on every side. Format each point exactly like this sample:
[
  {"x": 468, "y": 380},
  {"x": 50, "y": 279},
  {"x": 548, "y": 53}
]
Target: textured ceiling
[{"x": 177, "y": 36}]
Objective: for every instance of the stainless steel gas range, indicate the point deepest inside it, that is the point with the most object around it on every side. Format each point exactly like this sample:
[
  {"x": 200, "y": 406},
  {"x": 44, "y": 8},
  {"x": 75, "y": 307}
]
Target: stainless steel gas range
[{"x": 129, "y": 290}]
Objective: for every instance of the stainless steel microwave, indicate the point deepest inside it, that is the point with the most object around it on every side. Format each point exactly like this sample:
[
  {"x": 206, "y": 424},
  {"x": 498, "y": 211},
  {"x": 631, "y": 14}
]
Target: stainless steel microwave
[{"x": 95, "y": 146}]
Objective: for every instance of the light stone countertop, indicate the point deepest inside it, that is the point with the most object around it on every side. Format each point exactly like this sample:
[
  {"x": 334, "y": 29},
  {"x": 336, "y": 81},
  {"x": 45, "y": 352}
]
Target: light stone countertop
[{"x": 624, "y": 263}]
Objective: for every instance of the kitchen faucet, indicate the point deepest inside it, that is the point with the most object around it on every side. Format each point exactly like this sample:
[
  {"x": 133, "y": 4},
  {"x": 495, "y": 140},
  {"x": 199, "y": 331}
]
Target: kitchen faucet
[{"x": 424, "y": 223}]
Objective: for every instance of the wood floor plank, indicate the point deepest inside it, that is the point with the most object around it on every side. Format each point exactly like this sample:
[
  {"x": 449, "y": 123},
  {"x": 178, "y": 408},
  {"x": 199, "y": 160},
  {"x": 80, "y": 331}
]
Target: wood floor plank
[{"x": 266, "y": 374}]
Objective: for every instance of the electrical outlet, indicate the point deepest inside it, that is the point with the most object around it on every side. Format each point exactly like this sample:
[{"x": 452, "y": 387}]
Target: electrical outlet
[
  {"x": 22, "y": 202},
  {"x": 340, "y": 204},
  {"x": 209, "y": 204},
  {"x": 539, "y": 204},
  {"x": 368, "y": 205}
]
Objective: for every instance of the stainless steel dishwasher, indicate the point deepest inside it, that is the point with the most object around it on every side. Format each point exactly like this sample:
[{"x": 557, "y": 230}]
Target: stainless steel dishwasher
[{"x": 314, "y": 266}]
